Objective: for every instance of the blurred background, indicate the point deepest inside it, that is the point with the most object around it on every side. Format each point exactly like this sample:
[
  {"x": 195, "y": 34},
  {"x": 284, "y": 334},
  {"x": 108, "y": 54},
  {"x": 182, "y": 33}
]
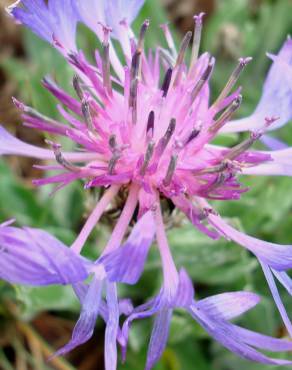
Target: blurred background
[{"x": 34, "y": 322}]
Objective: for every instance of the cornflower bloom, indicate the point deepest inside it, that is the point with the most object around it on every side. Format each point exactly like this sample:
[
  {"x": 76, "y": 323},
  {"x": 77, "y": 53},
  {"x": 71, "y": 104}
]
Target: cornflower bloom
[{"x": 150, "y": 141}]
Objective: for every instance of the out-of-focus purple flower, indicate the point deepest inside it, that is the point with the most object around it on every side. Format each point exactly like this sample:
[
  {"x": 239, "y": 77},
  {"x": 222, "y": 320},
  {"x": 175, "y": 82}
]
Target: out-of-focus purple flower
[{"x": 149, "y": 141}]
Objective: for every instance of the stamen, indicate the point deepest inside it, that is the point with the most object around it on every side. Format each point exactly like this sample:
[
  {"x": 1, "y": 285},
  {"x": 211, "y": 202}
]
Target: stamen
[
  {"x": 226, "y": 115},
  {"x": 147, "y": 157},
  {"x": 194, "y": 133},
  {"x": 170, "y": 170},
  {"x": 113, "y": 142},
  {"x": 77, "y": 87},
  {"x": 242, "y": 62},
  {"x": 166, "y": 82},
  {"x": 197, "y": 38},
  {"x": 181, "y": 55},
  {"x": 163, "y": 142},
  {"x": 106, "y": 61},
  {"x": 150, "y": 125},
  {"x": 169, "y": 39},
  {"x": 242, "y": 147},
  {"x": 85, "y": 108},
  {"x": 113, "y": 161},
  {"x": 34, "y": 113},
  {"x": 183, "y": 48},
  {"x": 205, "y": 76},
  {"x": 59, "y": 157},
  {"x": 224, "y": 165},
  {"x": 143, "y": 30},
  {"x": 135, "y": 67},
  {"x": 220, "y": 180}
]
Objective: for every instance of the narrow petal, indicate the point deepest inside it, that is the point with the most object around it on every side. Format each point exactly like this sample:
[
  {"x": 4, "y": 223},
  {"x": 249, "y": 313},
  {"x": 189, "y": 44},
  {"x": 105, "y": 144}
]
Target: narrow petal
[
  {"x": 277, "y": 256},
  {"x": 10, "y": 145},
  {"x": 158, "y": 338},
  {"x": 227, "y": 335},
  {"x": 281, "y": 164},
  {"x": 148, "y": 309},
  {"x": 112, "y": 327},
  {"x": 276, "y": 100},
  {"x": 185, "y": 291},
  {"x": 228, "y": 305},
  {"x": 263, "y": 341},
  {"x": 84, "y": 327},
  {"x": 273, "y": 143},
  {"x": 284, "y": 279},
  {"x": 117, "y": 11},
  {"x": 277, "y": 298},
  {"x": 55, "y": 22},
  {"x": 91, "y": 13},
  {"x": 34, "y": 257},
  {"x": 126, "y": 263}
]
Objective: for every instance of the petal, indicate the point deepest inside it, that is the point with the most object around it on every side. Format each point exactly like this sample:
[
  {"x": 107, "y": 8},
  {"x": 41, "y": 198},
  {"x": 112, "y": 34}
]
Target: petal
[
  {"x": 55, "y": 22},
  {"x": 281, "y": 164},
  {"x": 277, "y": 256},
  {"x": 10, "y": 145},
  {"x": 228, "y": 305},
  {"x": 284, "y": 279},
  {"x": 84, "y": 327},
  {"x": 112, "y": 327},
  {"x": 277, "y": 298},
  {"x": 117, "y": 11},
  {"x": 34, "y": 257},
  {"x": 273, "y": 143},
  {"x": 158, "y": 338},
  {"x": 126, "y": 263},
  {"x": 194, "y": 215},
  {"x": 185, "y": 292},
  {"x": 276, "y": 100},
  {"x": 91, "y": 13},
  {"x": 227, "y": 335},
  {"x": 146, "y": 310},
  {"x": 263, "y": 341}
]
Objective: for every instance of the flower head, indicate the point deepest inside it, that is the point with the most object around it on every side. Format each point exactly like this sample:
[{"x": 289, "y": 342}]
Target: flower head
[{"x": 145, "y": 126}]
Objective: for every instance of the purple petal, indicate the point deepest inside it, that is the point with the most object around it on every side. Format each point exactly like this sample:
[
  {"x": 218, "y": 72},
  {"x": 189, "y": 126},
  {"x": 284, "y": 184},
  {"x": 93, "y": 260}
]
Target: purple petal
[
  {"x": 84, "y": 327},
  {"x": 34, "y": 257},
  {"x": 194, "y": 215},
  {"x": 277, "y": 256},
  {"x": 117, "y": 11},
  {"x": 185, "y": 292},
  {"x": 262, "y": 341},
  {"x": 276, "y": 100},
  {"x": 273, "y": 143},
  {"x": 277, "y": 298},
  {"x": 126, "y": 263},
  {"x": 227, "y": 335},
  {"x": 284, "y": 279},
  {"x": 110, "y": 13},
  {"x": 228, "y": 305},
  {"x": 55, "y": 22},
  {"x": 159, "y": 338},
  {"x": 112, "y": 327},
  {"x": 91, "y": 13},
  {"x": 141, "y": 312},
  {"x": 281, "y": 164},
  {"x": 10, "y": 145}
]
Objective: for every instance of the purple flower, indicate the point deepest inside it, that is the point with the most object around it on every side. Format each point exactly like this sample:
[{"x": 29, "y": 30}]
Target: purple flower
[{"x": 147, "y": 140}]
